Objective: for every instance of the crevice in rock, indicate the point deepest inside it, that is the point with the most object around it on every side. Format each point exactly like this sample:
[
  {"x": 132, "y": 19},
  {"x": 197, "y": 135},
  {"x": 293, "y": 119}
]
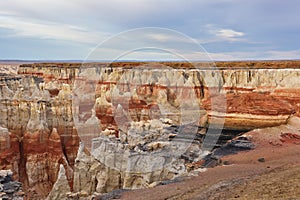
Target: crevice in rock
[{"x": 22, "y": 165}]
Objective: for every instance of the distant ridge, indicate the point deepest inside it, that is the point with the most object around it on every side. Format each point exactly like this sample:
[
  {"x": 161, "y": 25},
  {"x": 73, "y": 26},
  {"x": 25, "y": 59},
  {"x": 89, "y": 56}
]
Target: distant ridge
[{"x": 20, "y": 61}]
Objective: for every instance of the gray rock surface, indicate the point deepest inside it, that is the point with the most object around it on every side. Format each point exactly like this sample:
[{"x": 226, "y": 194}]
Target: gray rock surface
[{"x": 9, "y": 189}]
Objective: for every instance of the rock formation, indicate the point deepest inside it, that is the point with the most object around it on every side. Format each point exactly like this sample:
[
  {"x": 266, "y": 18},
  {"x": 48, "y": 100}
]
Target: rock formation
[
  {"x": 61, "y": 187},
  {"x": 124, "y": 113},
  {"x": 10, "y": 189},
  {"x": 37, "y": 133}
]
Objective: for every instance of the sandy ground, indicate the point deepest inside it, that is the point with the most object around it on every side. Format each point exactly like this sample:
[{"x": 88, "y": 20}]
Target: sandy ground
[{"x": 270, "y": 171}]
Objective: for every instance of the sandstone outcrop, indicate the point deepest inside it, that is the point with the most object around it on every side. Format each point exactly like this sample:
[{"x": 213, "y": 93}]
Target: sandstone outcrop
[
  {"x": 147, "y": 158},
  {"x": 61, "y": 187},
  {"x": 251, "y": 97},
  {"x": 9, "y": 151},
  {"x": 37, "y": 133},
  {"x": 258, "y": 94},
  {"x": 121, "y": 111}
]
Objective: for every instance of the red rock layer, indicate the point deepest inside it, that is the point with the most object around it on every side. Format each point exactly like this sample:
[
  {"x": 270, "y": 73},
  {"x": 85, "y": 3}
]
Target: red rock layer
[
  {"x": 251, "y": 97},
  {"x": 10, "y": 153}
]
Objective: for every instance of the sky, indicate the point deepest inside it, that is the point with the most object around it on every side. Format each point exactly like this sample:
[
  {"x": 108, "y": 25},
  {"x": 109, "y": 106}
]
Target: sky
[{"x": 149, "y": 29}]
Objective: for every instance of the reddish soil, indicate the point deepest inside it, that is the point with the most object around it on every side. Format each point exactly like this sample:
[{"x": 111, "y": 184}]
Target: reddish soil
[{"x": 270, "y": 171}]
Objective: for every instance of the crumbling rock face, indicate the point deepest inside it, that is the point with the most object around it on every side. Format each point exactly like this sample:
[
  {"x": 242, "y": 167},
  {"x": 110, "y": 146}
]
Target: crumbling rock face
[
  {"x": 260, "y": 97},
  {"x": 253, "y": 90},
  {"x": 9, "y": 151},
  {"x": 37, "y": 133},
  {"x": 242, "y": 98},
  {"x": 10, "y": 189},
  {"x": 125, "y": 114},
  {"x": 61, "y": 187},
  {"x": 142, "y": 158}
]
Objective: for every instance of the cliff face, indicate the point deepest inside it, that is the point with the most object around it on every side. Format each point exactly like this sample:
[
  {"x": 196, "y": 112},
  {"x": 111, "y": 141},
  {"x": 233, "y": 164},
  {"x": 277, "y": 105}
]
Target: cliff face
[
  {"x": 47, "y": 108},
  {"x": 260, "y": 97},
  {"x": 37, "y": 133},
  {"x": 244, "y": 98},
  {"x": 253, "y": 91}
]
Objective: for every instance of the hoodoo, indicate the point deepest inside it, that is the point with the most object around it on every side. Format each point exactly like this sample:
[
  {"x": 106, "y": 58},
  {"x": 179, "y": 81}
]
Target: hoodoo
[{"x": 100, "y": 127}]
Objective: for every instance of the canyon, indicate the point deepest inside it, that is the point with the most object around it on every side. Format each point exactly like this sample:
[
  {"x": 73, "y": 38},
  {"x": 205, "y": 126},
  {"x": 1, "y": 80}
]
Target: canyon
[{"x": 74, "y": 130}]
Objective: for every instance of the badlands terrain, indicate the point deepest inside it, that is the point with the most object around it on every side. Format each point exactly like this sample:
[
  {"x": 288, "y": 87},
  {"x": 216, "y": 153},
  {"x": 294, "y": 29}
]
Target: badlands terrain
[{"x": 134, "y": 130}]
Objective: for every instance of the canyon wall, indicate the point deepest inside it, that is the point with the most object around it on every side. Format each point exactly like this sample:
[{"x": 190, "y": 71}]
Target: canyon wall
[
  {"x": 47, "y": 108},
  {"x": 37, "y": 133},
  {"x": 254, "y": 91}
]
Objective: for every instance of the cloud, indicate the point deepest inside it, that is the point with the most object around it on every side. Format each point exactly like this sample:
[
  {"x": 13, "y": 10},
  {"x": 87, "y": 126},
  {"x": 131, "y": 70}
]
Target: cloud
[
  {"x": 226, "y": 27},
  {"x": 160, "y": 37},
  {"x": 49, "y": 30},
  {"x": 224, "y": 34},
  {"x": 229, "y": 33}
]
